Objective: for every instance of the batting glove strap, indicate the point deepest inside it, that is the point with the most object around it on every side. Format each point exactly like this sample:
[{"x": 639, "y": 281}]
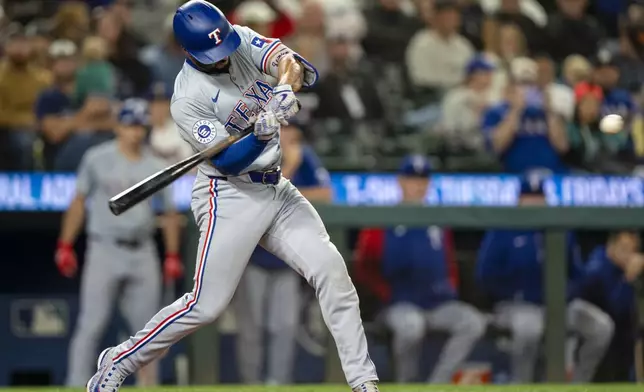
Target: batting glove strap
[
  {"x": 311, "y": 74},
  {"x": 266, "y": 126},
  {"x": 284, "y": 103}
]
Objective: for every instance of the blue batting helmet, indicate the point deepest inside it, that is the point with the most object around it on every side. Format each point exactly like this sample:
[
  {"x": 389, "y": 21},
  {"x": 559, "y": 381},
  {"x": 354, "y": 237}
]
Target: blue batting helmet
[
  {"x": 204, "y": 32},
  {"x": 134, "y": 112}
]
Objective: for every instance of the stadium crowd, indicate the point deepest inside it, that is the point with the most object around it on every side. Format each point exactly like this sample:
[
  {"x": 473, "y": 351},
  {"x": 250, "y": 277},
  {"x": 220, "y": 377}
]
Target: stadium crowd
[
  {"x": 467, "y": 85},
  {"x": 436, "y": 77}
]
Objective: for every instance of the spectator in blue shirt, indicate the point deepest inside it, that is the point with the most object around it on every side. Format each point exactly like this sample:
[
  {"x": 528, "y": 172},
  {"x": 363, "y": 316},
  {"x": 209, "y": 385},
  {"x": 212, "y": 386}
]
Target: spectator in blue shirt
[
  {"x": 413, "y": 273},
  {"x": 66, "y": 131},
  {"x": 525, "y": 131},
  {"x": 510, "y": 270},
  {"x": 269, "y": 293},
  {"x": 611, "y": 273}
]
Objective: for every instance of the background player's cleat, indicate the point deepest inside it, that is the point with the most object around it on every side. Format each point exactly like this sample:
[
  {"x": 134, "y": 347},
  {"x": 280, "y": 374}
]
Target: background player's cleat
[
  {"x": 369, "y": 386},
  {"x": 108, "y": 377}
]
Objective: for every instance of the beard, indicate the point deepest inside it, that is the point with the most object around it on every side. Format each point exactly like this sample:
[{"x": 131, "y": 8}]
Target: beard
[{"x": 213, "y": 69}]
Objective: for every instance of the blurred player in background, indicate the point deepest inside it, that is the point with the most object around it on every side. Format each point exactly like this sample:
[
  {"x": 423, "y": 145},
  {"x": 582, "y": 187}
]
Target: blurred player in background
[
  {"x": 413, "y": 272},
  {"x": 612, "y": 272},
  {"x": 269, "y": 293},
  {"x": 510, "y": 270},
  {"x": 121, "y": 260}
]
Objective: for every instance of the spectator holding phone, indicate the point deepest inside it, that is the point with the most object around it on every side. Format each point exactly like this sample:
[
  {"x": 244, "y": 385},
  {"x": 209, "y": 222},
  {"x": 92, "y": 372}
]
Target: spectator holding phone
[{"x": 524, "y": 130}]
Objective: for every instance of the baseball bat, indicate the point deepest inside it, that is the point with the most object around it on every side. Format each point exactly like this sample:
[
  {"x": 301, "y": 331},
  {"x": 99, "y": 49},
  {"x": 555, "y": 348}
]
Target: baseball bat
[{"x": 154, "y": 183}]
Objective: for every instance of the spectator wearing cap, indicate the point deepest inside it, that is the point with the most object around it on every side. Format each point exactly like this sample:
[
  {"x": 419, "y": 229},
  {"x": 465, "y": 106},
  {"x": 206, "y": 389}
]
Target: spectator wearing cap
[
  {"x": 68, "y": 129},
  {"x": 268, "y": 297},
  {"x": 607, "y": 76},
  {"x": 510, "y": 270},
  {"x": 164, "y": 138},
  {"x": 348, "y": 90},
  {"x": 517, "y": 12},
  {"x": 611, "y": 276},
  {"x": 20, "y": 83},
  {"x": 463, "y": 106},
  {"x": 265, "y": 17},
  {"x": 571, "y": 31},
  {"x": 413, "y": 273},
  {"x": 437, "y": 55},
  {"x": 524, "y": 130},
  {"x": 590, "y": 149}
]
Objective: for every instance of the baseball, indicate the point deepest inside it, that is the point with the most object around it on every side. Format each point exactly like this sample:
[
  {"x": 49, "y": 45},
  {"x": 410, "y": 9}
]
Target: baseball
[{"x": 613, "y": 123}]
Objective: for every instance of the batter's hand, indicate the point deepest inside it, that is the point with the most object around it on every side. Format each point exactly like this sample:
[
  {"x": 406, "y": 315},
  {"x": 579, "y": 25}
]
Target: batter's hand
[
  {"x": 267, "y": 125},
  {"x": 66, "y": 259},
  {"x": 172, "y": 268},
  {"x": 284, "y": 103}
]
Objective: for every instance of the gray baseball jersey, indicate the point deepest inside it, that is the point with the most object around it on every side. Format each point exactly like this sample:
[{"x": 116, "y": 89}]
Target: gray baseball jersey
[
  {"x": 113, "y": 273},
  {"x": 234, "y": 214},
  {"x": 234, "y": 98},
  {"x": 105, "y": 172}
]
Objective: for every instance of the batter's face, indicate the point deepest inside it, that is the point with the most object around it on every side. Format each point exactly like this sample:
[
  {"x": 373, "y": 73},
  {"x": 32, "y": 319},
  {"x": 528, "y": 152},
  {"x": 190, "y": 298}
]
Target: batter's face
[
  {"x": 132, "y": 135},
  {"x": 219, "y": 66},
  {"x": 413, "y": 188}
]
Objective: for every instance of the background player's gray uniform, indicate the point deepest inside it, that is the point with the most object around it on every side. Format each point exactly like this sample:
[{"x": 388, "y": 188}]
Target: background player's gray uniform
[
  {"x": 234, "y": 215},
  {"x": 114, "y": 269}
]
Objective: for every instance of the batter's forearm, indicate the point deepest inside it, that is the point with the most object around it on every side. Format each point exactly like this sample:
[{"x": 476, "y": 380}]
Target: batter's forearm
[
  {"x": 290, "y": 72},
  {"x": 73, "y": 221},
  {"x": 239, "y": 156},
  {"x": 172, "y": 232}
]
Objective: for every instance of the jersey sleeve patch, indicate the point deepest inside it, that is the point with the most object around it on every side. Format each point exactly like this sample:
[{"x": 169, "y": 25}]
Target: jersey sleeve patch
[
  {"x": 260, "y": 42},
  {"x": 204, "y": 131}
]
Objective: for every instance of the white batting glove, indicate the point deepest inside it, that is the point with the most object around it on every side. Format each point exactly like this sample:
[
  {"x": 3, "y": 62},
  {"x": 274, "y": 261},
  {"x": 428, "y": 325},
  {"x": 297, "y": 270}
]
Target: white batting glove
[
  {"x": 284, "y": 103},
  {"x": 266, "y": 126}
]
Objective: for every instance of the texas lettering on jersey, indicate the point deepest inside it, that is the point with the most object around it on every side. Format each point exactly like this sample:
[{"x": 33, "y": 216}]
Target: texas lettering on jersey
[{"x": 240, "y": 118}]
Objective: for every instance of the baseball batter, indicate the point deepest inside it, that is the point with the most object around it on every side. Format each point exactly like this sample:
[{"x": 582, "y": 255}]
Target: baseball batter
[
  {"x": 240, "y": 198},
  {"x": 121, "y": 261}
]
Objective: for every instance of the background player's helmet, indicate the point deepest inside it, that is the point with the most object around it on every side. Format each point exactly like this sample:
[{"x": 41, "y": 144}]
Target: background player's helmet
[
  {"x": 204, "y": 32},
  {"x": 134, "y": 112}
]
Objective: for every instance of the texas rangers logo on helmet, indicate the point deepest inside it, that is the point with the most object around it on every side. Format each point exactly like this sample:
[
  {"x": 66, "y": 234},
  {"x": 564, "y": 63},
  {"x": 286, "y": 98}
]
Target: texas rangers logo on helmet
[
  {"x": 215, "y": 34},
  {"x": 204, "y": 131}
]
